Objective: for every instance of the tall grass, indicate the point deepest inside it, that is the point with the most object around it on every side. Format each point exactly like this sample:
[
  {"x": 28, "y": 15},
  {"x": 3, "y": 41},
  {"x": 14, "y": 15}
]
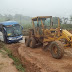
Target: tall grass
[{"x": 63, "y": 26}]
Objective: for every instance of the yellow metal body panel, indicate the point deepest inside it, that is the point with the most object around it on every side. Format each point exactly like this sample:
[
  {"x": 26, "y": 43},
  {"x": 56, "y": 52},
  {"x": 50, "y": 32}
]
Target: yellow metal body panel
[{"x": 41, "y": 17}]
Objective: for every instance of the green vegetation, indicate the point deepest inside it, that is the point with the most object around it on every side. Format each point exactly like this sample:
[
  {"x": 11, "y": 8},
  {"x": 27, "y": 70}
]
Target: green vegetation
[
  {"x": 16, "y": 60},
  {"x": 25, "y": 21},
  {"x": 17, "y": 17},
  {"x": 17, "y": 63},
  {"x": 64, "y": 26},
  {"x": 27, "y": 26}
]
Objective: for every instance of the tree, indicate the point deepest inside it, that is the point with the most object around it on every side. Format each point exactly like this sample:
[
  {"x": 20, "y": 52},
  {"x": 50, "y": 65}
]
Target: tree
[
  {"x": 70, "y": 19},
  {"x": 65, "y": 20},
  {"x": 8, "y": 17}
]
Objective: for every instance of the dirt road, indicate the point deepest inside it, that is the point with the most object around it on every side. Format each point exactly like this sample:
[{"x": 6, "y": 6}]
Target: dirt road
[
  {"x": 37, "y": 60},
  {"x": 6, "y": 64}
]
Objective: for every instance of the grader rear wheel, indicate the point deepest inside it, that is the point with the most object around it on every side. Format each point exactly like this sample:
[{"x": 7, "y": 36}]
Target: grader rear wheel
[
  {"x": 57, "y": 49},
  {"x": 32, "y": 42},
  {"x": 27, "y": 41}
]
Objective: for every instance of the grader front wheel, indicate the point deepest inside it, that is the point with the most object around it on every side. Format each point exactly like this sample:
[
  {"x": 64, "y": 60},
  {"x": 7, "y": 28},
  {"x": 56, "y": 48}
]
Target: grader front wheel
[
  {"x": 27, "y": 40},
  {"x": 32, "y": 42},
  {"x": 57, "y": 49}
]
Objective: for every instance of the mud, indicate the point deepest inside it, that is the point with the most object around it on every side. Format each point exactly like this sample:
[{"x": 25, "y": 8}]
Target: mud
[
  {"x": 6, "y": 63},
  {"x": 37, "y": 60}
]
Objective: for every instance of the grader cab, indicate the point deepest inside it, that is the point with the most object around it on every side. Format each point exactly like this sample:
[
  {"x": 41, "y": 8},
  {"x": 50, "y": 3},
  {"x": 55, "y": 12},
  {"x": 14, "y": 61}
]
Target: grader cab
[{"x": 44, "y": 33}]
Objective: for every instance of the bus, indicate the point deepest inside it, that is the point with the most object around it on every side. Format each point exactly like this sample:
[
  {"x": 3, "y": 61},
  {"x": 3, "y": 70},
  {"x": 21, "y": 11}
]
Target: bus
[{"x": 10, "y": 31}]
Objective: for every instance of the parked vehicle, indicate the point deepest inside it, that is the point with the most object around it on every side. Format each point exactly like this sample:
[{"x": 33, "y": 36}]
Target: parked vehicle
[{"x": 10, "y": 31}]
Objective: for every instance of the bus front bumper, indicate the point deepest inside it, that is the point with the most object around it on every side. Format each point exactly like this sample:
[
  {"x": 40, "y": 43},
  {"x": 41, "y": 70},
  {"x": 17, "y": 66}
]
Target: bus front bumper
[{"x": 14, "y": 39}]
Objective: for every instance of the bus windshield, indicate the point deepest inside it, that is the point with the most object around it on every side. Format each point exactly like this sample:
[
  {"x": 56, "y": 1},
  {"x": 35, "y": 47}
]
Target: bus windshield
[{"x": 14, "y": 30}]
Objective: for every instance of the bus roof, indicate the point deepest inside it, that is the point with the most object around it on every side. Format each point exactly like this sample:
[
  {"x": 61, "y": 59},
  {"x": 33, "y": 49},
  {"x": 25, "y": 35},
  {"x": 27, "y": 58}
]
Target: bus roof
[{"x": 8, "y": 22}]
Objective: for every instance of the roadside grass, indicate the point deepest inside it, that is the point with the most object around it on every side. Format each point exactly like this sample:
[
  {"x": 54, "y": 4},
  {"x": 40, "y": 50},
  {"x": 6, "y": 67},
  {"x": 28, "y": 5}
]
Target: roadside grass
[
  {"x": 16, "y": 60},
  {"x": 63, "y": 26}
]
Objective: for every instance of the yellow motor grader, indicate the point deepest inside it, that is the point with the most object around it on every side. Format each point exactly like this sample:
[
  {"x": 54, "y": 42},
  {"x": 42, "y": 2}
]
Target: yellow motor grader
[{"x": 44, "y": 33}]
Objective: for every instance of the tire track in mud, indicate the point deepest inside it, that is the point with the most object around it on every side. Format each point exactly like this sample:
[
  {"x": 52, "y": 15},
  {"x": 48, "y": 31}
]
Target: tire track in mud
[{"x": 36, "y": 60}]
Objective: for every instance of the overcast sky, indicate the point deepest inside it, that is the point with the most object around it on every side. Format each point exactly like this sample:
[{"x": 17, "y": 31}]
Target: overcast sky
[{"x": 37, "y": 7}]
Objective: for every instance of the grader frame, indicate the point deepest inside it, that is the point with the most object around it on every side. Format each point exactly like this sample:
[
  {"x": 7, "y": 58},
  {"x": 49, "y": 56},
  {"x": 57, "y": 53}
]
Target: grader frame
[{"x": 55, "y": 39}]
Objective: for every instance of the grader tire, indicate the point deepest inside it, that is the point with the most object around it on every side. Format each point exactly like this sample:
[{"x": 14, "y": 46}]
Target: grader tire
[
  {"x": 57, "y": 49},
  {"x": 32, "y": 42},
  {"x": 27, "y": 41}
]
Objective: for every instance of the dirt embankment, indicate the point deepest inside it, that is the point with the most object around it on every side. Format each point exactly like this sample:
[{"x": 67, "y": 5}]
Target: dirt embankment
[
  {"x": 6, "y": 64},
  {"x": 36, "y": 60}
]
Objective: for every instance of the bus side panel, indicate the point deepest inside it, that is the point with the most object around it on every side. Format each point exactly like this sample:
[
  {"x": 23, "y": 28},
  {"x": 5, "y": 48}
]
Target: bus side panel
[{"x": 1, "y": 36}]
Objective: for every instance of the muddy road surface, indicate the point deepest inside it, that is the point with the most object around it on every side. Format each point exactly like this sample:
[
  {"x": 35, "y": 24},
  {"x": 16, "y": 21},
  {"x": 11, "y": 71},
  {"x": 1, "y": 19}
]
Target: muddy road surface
[{"x": 37, "y": 60}]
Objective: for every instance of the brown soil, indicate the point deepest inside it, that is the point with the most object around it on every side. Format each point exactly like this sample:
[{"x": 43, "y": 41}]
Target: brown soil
[
  {"x": 6, "y": 64},
  {"x": 37, "y": 60}
]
